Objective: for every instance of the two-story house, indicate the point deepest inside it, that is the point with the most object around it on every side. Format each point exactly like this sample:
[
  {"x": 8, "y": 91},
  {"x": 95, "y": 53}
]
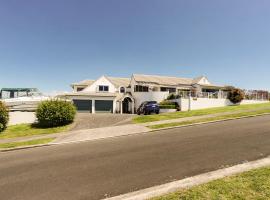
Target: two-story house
[
  {"x": 124, "y": 95},
  {"x": 106, "y": 94}
]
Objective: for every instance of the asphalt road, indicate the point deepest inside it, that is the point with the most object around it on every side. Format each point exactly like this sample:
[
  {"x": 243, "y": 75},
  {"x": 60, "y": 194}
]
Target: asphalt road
[{"x": 98, "y": 169}]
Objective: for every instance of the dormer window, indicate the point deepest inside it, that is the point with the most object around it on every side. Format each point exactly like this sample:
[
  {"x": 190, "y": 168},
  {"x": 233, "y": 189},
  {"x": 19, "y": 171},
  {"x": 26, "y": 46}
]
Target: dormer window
[
  {"x": 122, "y": 90},
  {"x": 79, "y": 89},
  {"x": 103, "y": 88}
]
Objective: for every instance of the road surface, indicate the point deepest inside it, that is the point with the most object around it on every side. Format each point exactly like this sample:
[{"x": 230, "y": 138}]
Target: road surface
[{"x": 98, "y": 169}]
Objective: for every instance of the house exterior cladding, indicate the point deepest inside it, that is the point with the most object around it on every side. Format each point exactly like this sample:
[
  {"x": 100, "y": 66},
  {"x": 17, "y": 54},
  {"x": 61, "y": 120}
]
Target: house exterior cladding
[{"x": 124, "y": 95}]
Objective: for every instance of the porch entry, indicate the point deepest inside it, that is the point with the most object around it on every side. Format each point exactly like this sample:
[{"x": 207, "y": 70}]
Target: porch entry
[{"x": 127, "y": 105}]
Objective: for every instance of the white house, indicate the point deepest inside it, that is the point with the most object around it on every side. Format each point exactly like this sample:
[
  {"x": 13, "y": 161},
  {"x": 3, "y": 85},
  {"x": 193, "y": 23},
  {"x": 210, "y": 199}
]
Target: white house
[{"x": 124, "y": 95}]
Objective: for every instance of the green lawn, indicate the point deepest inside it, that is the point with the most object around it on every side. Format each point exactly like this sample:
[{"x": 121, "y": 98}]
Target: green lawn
[
  {"x": 23, "y": 130},
  {"x": 251, "y": 185},
  {"x": 167, "y": 116},
  {"x": 26, "y": 143},
  {"x": 209, "y": 119}
]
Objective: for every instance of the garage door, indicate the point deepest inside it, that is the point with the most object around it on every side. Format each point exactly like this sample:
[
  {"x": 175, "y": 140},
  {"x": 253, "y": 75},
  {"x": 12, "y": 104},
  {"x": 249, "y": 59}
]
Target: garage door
[
  {"x": 83, "y": 105},
  {"x": 104, "y": 106}
]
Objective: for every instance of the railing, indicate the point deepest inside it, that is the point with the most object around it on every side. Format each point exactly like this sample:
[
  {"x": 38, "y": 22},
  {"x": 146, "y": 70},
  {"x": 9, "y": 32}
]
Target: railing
[
  {"x": 222, "y": 95},
  {"x": 257, "y": 97},
  {"x": 209, "y": 95}
]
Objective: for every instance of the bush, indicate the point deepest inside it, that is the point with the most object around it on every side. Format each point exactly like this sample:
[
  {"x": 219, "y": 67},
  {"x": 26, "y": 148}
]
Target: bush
[
  {"x": 236, "y": 95},
  {"x": 169, "y": 105},
  {"x": 54, "y": 113},
  {"x": 171, "y": 97},
  {"x": 4, "y": 117}
]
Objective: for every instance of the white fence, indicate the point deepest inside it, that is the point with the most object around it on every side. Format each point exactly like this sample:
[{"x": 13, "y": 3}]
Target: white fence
[
  {"x": 201, "y": 103},
  {"x": 224, "y": 95},
  {"x": 191, "y": 101}
]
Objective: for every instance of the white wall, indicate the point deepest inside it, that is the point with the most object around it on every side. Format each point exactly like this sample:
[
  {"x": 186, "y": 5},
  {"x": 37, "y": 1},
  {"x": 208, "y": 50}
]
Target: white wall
[
  {"x": 201, "y": 103},
  {"x": 244, "y": 102},
  {"x": 149, "y": 96},
  {"x": 101, "y": 81},
  {"x": 21, "y": 118},
  {"x": 132, "y": 84}
]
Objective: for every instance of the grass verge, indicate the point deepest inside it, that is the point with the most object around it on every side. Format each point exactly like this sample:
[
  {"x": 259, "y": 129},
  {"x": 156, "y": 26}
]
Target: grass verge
[
  {"x": 26, "y": 143},
  {"x": 209, "y": 119},
  {"x": 23, "y": 130},
  {"x": 176, "y": 115},
  {"x": 254, "y": 184}
]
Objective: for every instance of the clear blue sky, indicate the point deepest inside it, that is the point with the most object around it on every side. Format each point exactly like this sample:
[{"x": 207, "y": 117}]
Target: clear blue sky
[{"x": 51, "y": 43}]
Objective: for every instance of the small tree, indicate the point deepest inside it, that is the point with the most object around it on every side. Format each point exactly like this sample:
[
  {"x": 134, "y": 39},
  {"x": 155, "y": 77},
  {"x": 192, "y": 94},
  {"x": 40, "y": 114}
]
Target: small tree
[
  {"x": 4, "y": 116},
  {"x": 55, "y": 113},
  {"x": 236, "y": 95}
]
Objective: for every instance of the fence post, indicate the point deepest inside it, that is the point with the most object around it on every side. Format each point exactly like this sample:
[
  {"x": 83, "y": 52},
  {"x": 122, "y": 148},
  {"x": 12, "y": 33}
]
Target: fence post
[{"x": 189, "y": 102}]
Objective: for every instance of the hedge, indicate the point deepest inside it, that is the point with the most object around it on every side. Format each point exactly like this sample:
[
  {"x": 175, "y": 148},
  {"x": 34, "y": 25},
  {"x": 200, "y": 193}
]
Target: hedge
[
  {"x": 54, "y": 113},
  {"x": 167, "y": 106}
]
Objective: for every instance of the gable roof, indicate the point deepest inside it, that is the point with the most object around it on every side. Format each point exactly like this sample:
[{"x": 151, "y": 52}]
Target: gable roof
[
  {"x": 162, "y": 80},
  {"x": 84, "y": 83},
  {"x": 119, "y": 81},
  {"x": 197, "y": 80}
]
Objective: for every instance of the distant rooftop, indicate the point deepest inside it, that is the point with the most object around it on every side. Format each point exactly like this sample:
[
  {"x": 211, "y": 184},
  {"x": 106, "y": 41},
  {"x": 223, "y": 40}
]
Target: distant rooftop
[{"x": 20, "y": 89}]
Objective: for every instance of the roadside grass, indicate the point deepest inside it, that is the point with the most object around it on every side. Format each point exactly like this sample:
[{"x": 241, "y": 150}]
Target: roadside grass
[
  {"x": 209, "y": 119},
  {"x": 23, "y": 130},
  {"x": 25, "y": 143},
  {"x": 201, "y": 112},
  {"x": 254, "y": 184}
]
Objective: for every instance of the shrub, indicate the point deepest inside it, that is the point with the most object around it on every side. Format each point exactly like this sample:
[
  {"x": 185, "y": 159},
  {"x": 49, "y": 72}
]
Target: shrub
[
  {"x": 169, "y": 105},
  {"x": 54, "y": 113},
  {"x": 236, "y": 95},
  {"x": 4, "y": 117},
  {"x": 166, "y": 102},
  {"x": 171, "y": 97}
]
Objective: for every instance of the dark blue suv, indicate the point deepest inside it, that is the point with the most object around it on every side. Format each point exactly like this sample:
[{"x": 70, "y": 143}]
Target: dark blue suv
[{"x": 148, "y": 107}]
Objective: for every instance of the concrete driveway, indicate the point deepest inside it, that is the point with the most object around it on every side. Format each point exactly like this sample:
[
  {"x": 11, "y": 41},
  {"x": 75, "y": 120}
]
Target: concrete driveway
[{"x": 90, "y": 121}]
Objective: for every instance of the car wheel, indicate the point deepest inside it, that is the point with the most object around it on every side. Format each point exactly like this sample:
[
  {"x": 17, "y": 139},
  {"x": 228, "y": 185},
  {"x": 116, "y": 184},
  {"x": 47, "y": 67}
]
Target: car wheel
[{"x": 157, "y": 112}]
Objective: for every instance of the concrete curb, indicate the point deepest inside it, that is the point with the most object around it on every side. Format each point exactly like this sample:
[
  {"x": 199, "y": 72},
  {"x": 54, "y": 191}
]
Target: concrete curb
[
  {"x": 208, "y": 122},
  {"x": 24, "y": 147},
  {"x": 192, "y": 181},
  {"x": 96, "y": 139}
]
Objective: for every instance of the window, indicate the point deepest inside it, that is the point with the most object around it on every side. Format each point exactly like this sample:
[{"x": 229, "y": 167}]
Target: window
[
  {"x": 79, "y": 89},
  {"x": 103, "y": 88},
  {"x": 165, "y": 89},
  {"x": 122, "y": 90},
  {"x": 140, "y": 88}
]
